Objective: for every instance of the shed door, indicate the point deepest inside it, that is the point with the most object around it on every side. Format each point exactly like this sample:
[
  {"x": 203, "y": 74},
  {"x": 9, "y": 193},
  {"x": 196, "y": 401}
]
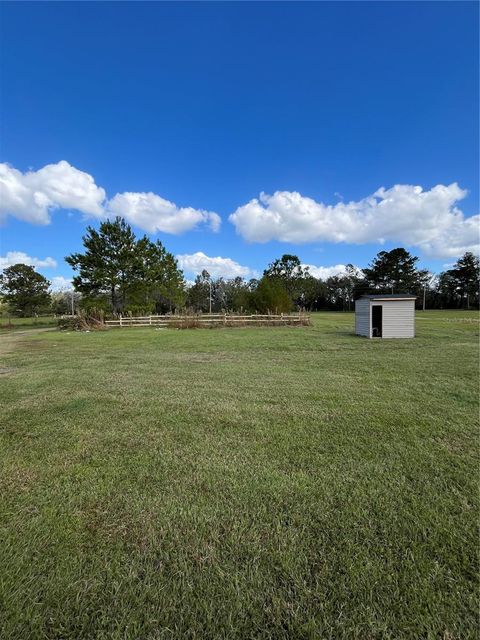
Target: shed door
[{"x": 377, "y": 321}]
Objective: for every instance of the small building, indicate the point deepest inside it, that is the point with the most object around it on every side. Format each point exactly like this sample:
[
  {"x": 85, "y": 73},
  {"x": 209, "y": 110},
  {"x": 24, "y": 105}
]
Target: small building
[{"x": 385, "y": 316}]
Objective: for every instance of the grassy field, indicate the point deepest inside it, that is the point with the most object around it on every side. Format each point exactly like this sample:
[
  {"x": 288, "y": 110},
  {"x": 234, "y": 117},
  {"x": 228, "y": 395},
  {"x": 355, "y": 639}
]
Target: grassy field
[
  {"x": 240, "y": 483},
  {"x": 12, "y": 323}
]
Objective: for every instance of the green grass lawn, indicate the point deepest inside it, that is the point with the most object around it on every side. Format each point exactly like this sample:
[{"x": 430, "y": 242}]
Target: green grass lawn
[
  {"x": 12, "y": 323},
  {"x": 240, "y": 483}
]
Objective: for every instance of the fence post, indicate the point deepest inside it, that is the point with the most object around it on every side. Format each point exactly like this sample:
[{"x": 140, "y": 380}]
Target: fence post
[
  {"x": 224, "y": 318},
  {"x": 150, "y": 318},
  {"x": 120, "y": 319}
]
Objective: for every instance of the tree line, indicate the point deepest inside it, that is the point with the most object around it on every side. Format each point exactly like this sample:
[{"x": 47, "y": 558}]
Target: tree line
[{"x": 119, "y": 273}]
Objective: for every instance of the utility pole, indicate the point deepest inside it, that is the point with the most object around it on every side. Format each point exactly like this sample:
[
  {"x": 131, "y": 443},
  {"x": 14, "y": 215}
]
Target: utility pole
[
  {"x": 73, "y": 303},
  {"x": 210, "y": 296}
]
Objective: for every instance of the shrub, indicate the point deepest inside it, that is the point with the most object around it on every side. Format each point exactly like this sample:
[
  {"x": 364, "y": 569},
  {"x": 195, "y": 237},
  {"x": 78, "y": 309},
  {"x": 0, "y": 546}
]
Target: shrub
[{"x": 271, "y": 296}]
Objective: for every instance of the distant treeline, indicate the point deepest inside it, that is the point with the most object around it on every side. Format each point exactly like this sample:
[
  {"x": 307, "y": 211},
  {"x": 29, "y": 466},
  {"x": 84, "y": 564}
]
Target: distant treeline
[
  {"x": 286, "y": 285},
  {"x": 118, "y": 273}
]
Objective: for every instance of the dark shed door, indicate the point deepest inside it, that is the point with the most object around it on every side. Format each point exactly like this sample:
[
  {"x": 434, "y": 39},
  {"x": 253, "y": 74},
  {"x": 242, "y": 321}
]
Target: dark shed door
[{"x": 377, "y": 321}]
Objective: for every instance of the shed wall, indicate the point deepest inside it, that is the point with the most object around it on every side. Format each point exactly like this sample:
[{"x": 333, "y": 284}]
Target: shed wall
[
  {"x": 362, "y": 317},
  {"x": 398, "y": 318}
]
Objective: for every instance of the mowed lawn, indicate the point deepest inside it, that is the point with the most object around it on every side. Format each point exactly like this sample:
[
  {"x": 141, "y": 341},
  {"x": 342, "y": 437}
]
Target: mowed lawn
[
  {"x": 12, "y": 323},
  {"x": 240, "y": 483}
]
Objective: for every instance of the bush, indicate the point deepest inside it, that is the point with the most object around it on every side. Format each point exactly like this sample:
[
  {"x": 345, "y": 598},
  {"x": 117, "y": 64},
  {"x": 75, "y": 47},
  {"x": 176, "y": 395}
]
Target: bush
[{"x": 271, "y": 297}]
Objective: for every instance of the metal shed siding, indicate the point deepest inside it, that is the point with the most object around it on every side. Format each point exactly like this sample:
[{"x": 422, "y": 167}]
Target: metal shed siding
[
  {"x": 362, "y": 317},
  {"x": 398, "y": 318}
]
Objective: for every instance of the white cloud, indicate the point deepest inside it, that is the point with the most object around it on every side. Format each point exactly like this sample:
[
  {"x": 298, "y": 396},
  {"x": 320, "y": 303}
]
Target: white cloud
[
  {"x": 59, "y": 283},
  {"x": 153, "y": 213},
  {"x": 19, "y": 257},
  {"x": 407, "y": 214},
  {"x": 217, "y": 267},
  {"x": 326, "y": 272},
  {"x": 33, "y": 195}
]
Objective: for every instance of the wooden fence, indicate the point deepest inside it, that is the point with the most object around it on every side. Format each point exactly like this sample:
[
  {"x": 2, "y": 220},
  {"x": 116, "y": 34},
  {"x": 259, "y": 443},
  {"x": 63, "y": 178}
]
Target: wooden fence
[{"x": 210, "y": 320}]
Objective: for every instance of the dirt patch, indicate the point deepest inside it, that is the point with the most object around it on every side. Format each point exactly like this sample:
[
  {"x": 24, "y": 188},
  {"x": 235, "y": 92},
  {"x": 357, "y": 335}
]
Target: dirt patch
[
  {"x": 27, "y": 332},
  {"x": 13, "y": 341}
]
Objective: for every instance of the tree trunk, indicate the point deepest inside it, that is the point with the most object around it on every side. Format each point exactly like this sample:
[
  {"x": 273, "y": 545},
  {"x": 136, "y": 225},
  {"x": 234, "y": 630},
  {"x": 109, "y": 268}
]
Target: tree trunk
[{"x": 112, "y": 295}]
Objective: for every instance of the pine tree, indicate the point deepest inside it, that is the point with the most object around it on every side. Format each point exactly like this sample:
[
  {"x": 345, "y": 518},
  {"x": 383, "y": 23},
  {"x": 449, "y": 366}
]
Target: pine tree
[
  {"x": 139, "y": 274},
  {"x": 393, "y": 272},
  {"x": 157, "y": 277},
  {"x": 463, "y": 280},
  {"x": 199, "y": 293},
  {"x": 107, "y": 266}
]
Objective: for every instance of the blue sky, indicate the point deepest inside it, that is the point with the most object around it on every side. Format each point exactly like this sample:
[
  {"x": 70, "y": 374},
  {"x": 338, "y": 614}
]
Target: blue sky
[{"x": 357, "y": 121}]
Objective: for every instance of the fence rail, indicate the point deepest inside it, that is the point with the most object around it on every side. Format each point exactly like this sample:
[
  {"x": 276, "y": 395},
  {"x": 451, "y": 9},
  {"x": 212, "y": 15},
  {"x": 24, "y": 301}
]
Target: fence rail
[{"x": 214, "y": 319}]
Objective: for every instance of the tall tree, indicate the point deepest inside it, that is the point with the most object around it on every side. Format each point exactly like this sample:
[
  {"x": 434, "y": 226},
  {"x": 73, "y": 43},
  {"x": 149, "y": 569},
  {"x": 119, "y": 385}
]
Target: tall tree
[
  {"x": 173, "y": 291},
  {"x": 463, "y": 280},
  {"x": 346, "y": 286},
  {"x": 24, "y": 290},
  {"x": 340, "y": 292},
  {"x": 130, "y": 271},
  {"x": 447, "y": 290},
  {"x": 237, "y": 294},
  {"x": 289, "y": 271},
  {"x": 157, "y": 280},
  {"x": 198, "y": 295},
  {"x": 314, "y": 293},
  {"x": 393, "y": 272},
  {"x": 108, "y": 264}
]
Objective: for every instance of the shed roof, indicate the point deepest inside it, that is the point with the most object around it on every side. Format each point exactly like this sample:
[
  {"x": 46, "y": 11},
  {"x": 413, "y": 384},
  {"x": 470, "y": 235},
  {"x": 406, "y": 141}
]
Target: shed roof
[{"x": 390, "y": 296}]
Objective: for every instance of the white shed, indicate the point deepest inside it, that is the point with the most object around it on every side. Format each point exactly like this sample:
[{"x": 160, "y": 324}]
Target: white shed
[{"x": 385, "y": 316}]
